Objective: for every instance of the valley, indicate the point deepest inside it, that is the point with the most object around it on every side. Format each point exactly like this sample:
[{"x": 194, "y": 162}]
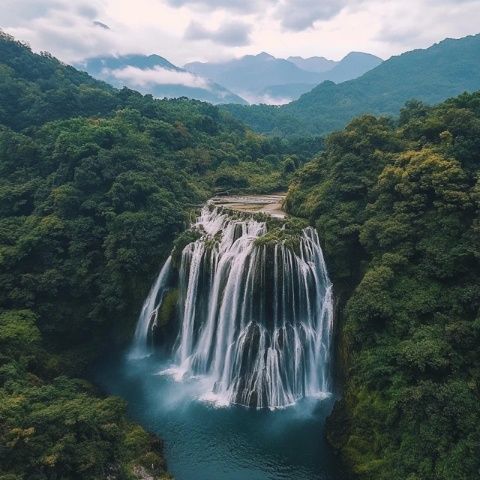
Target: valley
[{"x": 320, "y": 320}]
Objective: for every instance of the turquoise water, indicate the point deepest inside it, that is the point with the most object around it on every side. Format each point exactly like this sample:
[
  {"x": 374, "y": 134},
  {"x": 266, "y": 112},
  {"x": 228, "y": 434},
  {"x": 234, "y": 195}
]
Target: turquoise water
[{"x": 204, "y": 442}]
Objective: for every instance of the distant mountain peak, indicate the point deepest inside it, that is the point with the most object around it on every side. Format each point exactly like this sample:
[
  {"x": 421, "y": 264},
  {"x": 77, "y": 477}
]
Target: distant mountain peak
[
  {"x": 431, "y": 75},
  {"x": 355, "y": 54},
  {"x": 265, "y": 55}
]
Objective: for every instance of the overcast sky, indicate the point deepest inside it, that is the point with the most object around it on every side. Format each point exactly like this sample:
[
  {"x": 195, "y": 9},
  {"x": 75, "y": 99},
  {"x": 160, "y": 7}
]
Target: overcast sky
[{"x": 187, "y": 30}]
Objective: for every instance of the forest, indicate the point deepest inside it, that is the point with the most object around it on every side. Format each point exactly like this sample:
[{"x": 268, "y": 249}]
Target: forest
[
  {"x": 397, "y": 206},
  {"x": 95, "y": 185}
]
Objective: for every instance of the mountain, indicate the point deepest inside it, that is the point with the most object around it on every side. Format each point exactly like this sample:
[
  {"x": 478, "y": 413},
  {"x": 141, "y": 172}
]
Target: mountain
[
  {"x": 156, "y": 75},
  {"x": 283, "y": 94},
  {"x": 250, "y": 75},
  {"x": 313, "y": 64},
  {"x": 353, "y": 65},
  {"x": 263, "y": 78},
  {"x": 430, "y": 75}
]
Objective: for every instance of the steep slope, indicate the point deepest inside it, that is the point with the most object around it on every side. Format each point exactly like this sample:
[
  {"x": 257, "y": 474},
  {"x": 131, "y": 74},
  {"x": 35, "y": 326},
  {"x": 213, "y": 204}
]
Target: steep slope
[
  {"x": 397, "y": 208},
  {"x": 430, "y": 75},
  {"x": 157, "y": 76}
]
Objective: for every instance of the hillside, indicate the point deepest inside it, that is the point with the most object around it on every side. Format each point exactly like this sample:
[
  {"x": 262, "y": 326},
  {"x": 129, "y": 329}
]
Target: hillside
[
  {"x": 431, "y": 75},
  {"x": 94, "y": 185},
  {"x": 152, "y": 74},
  {"x": 397, "y": 207}
]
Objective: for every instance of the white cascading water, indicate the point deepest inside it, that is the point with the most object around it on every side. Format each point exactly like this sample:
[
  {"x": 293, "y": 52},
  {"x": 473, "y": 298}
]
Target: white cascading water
[
  {"x": 255, "y": 320},
  {"x": 148, "y": 316}
]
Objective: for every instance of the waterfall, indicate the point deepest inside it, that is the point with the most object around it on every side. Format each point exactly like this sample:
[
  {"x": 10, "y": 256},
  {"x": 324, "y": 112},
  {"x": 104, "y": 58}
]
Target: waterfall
[
  {"x": 255, "y": 318},
  {"x": 148, "y": 315}
]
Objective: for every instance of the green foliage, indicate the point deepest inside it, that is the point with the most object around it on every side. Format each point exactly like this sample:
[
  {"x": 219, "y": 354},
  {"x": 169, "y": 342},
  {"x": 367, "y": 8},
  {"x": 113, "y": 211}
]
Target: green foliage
[
  {"x": 287, "y": 232},
  {"x": 95, "y": 184},
  {"x": 397, "y": 206},
  {"x": 55, "y": 427}
]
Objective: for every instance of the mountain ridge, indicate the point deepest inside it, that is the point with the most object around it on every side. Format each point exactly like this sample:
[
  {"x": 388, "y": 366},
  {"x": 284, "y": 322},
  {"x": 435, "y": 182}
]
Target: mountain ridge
[
  {"x": 431, "y": 75},
  {"x": 253, "y": 76}
]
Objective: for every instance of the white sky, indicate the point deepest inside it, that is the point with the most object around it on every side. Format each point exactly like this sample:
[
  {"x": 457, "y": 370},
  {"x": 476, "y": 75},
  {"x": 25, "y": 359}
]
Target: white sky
[{"x": 188, "y": 30}]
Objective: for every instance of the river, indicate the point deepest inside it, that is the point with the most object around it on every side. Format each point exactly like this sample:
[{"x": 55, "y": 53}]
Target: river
[{"x": 203, "y": 442}]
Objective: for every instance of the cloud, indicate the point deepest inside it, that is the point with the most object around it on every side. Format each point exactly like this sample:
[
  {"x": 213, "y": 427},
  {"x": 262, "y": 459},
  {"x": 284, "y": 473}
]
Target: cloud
[
  {"x": 68, "y": 29},
  {"x": 446, "y": 18},
  {"x": 230, "y": 34},
  {"x": 101, "y": 25},
  {"x": 298, "y": 15},
  {"x": 138, "y": 77},
  {"x": 242, "y": 6},
  {"x": 17, "y": 12},
  {"x": 183, "y": 30},
  {"x": 265, "y": 99}
]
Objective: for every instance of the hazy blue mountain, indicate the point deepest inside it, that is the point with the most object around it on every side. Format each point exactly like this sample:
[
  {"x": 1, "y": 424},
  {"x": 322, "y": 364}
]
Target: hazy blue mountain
[
  {"x": 249, "y": 75},
  {"x": 352, "y": 66},
  {"x": 431, "y": 75},
  {"x": 313, "y": 64},
  {"x": 263, "y": 78},
  {"x": 156, "y": 75}
]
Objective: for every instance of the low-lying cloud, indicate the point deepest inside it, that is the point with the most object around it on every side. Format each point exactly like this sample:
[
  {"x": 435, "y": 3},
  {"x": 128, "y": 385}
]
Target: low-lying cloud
[{"x": 137, "y": 77}]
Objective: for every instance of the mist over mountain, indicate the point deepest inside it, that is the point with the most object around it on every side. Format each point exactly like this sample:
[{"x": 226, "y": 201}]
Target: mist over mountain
[
  {"x": 264, "y": 78},
  {"x": 253, "y": 79},
  {"x": 156, "y": 75},
  {"x": 431, "y": 75},
  {"x": 251, "y": 74}
]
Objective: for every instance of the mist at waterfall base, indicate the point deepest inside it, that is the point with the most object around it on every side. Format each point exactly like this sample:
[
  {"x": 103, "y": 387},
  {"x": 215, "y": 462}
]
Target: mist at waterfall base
[{"x": 245, "y": 393}]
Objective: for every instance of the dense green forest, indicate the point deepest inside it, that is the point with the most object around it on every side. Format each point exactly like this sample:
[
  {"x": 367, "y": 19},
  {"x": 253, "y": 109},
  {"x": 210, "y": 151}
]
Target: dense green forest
[
  {"x": 432, "y": 75},
  {"x": 397, "y": 206},
  {"x": 94, "y": 185}
]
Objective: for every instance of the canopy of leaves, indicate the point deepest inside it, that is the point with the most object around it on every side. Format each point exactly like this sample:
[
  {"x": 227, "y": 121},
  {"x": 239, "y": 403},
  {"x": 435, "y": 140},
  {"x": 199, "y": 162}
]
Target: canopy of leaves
[{"x": 397, "y": 206}]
